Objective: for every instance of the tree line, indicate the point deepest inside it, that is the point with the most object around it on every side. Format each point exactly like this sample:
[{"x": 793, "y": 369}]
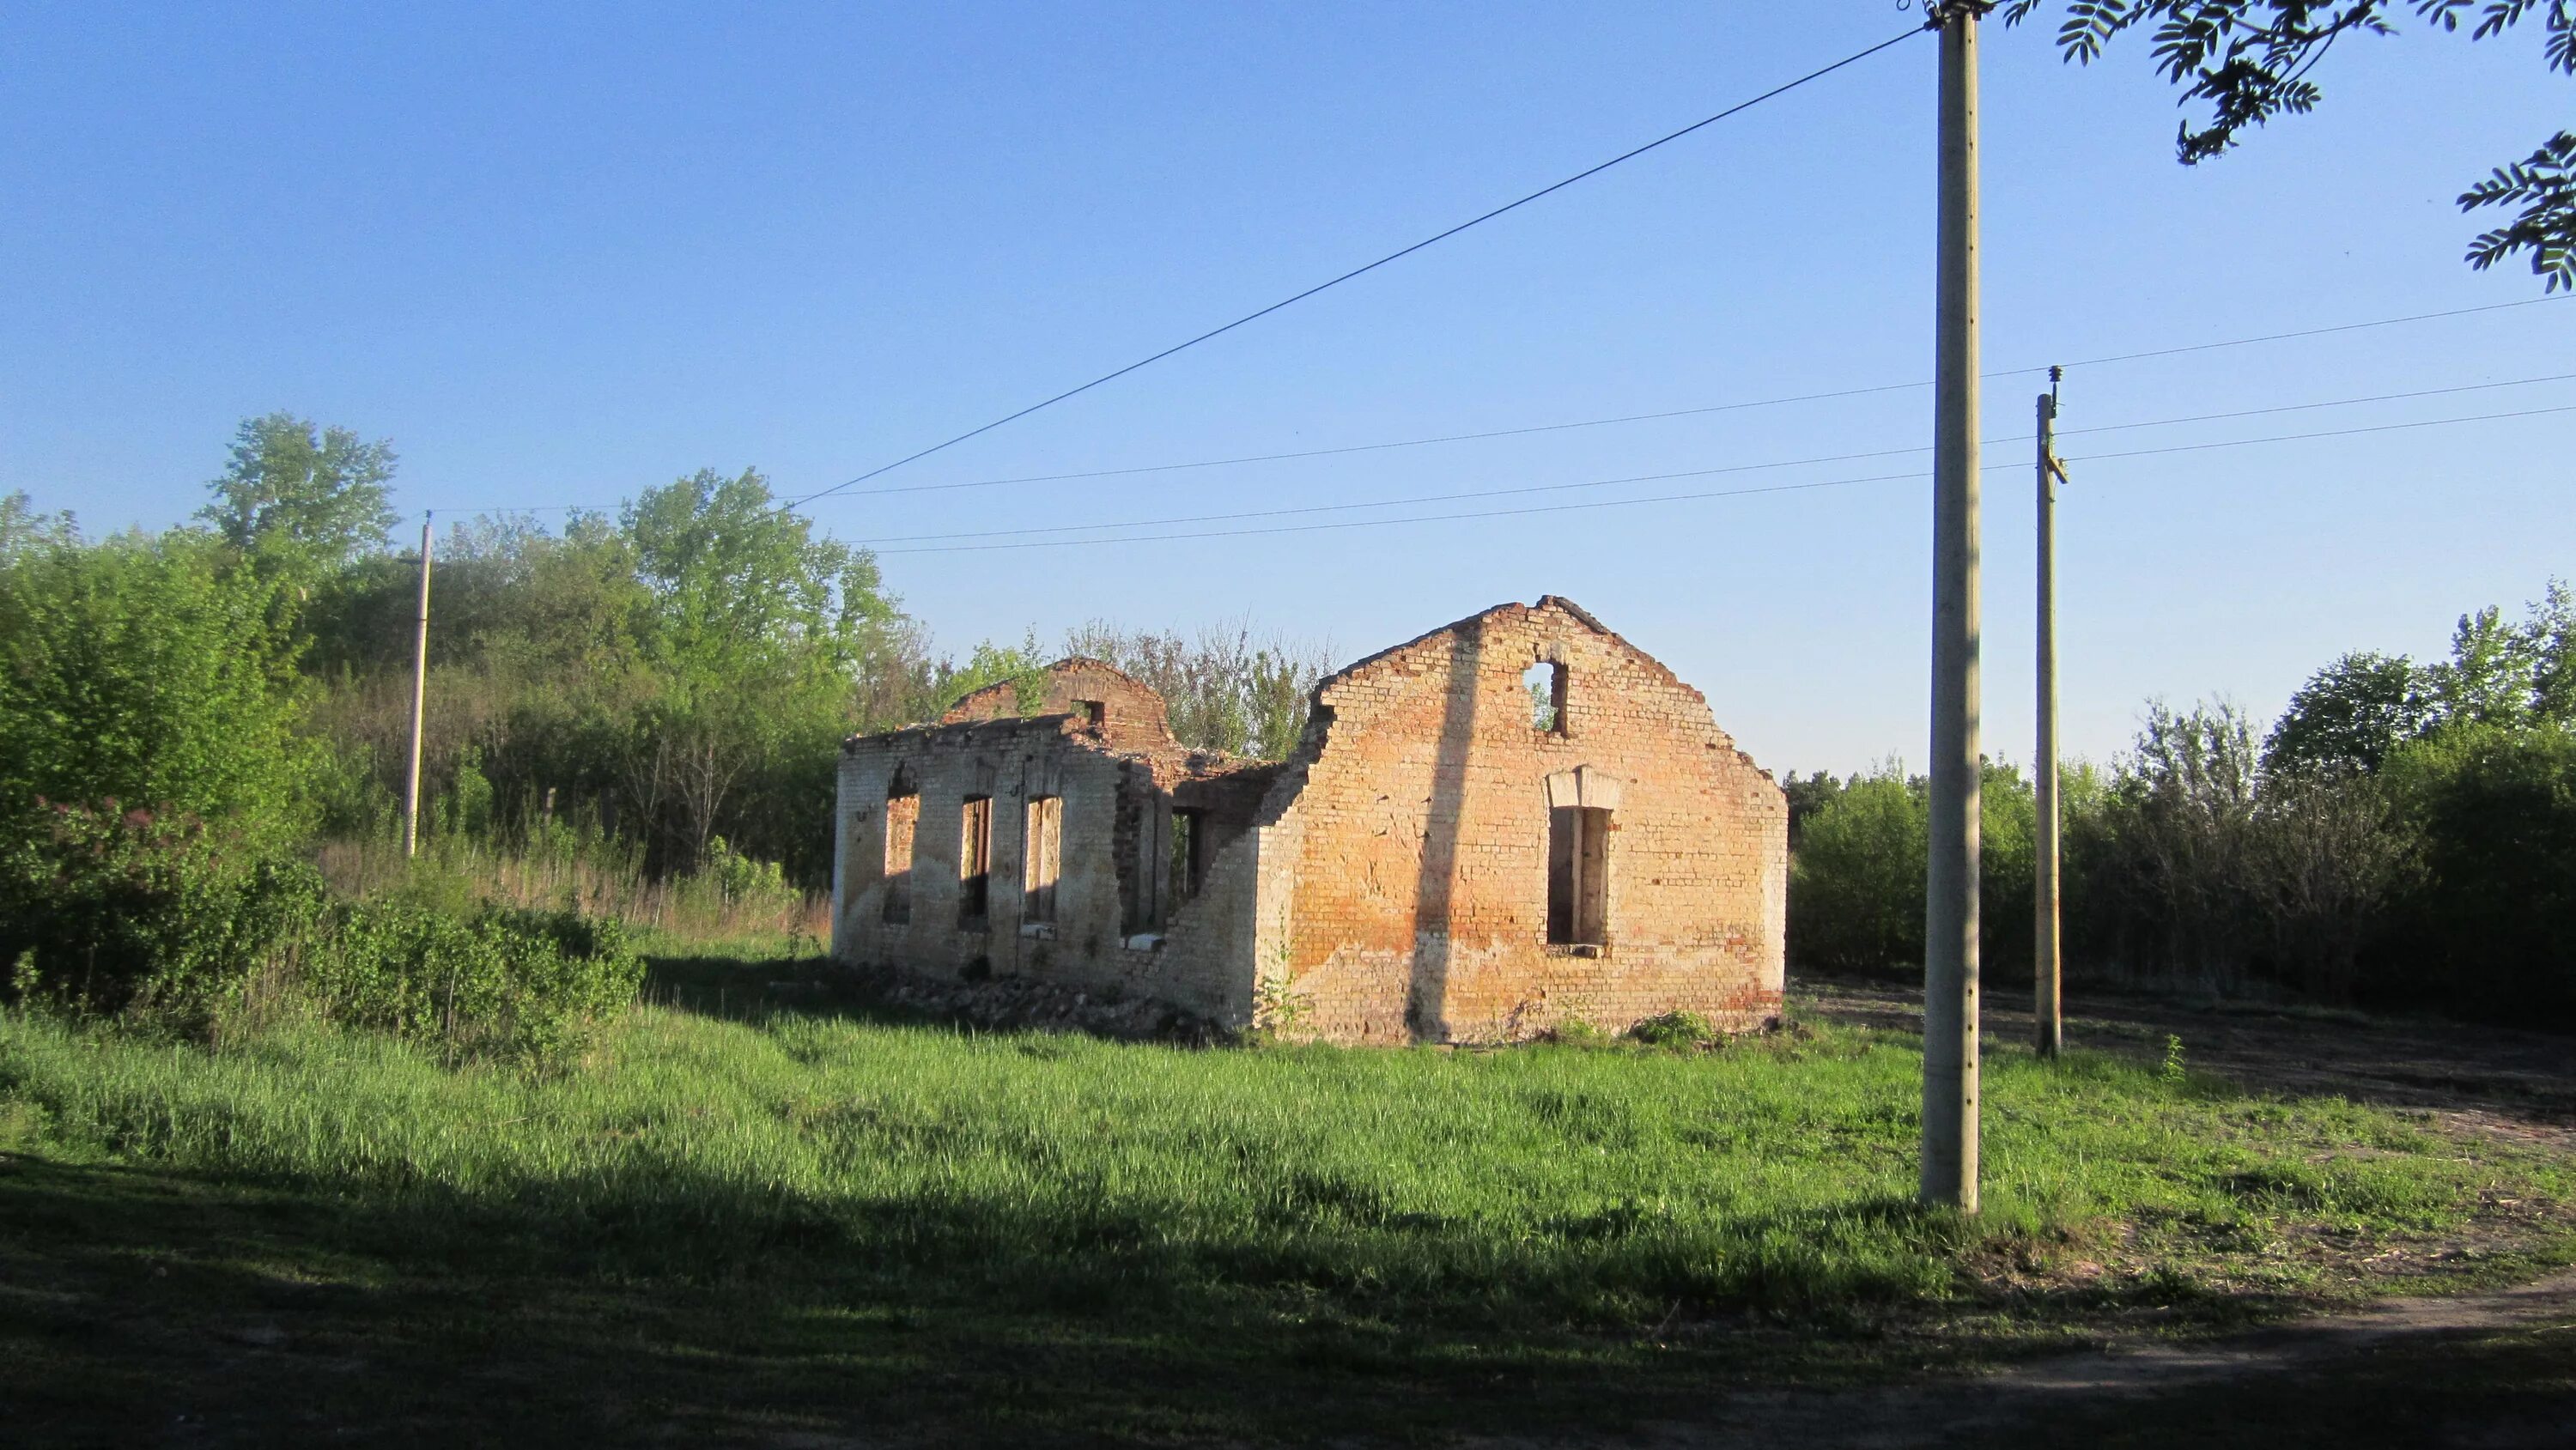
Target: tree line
[
  {"x": 189, "y": 714},
  {"x": 191, "y": 719},
  {"x": 2402, "y": 836},
  {"x": 671, "y": 674}
]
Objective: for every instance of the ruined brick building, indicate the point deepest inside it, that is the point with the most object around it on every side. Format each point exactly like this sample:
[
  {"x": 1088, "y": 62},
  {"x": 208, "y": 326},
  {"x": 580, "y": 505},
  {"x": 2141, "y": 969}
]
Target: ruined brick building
[{"x": 1511, "y": 822}]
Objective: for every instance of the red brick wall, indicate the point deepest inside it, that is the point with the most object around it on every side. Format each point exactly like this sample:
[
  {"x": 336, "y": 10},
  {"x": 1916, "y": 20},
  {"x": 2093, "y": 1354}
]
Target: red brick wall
[{"x": 1420, "y": 884}]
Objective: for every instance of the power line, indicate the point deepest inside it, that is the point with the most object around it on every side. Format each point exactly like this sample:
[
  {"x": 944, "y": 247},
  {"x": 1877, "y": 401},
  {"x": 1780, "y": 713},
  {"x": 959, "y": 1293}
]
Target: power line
[
  {"x": 1693, "y": 497},
  {"x": 2303, "y": 407},
  {"x": 1591, "y": 171},
  {"x": 2324, "y": 433},
  {"x": 1686, "y": 473},
  {"x": 1655, "y": 417},
  {"x": 1605, "y": 422}
]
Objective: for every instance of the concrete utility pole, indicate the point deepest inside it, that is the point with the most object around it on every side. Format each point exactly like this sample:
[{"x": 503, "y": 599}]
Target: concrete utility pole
[
  {"x": 419, "y": 699},
  {"x": 1950, "y": 911},
  {"x": 2047, "y": 1001}
]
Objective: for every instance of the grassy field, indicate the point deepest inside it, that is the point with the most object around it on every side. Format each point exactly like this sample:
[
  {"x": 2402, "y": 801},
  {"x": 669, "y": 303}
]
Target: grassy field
[{"x": 749, "y": 1226}]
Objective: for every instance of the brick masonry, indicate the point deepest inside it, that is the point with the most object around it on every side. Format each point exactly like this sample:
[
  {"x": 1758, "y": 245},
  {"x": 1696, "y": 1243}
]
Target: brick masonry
[{"x": 1388, "y": 883}]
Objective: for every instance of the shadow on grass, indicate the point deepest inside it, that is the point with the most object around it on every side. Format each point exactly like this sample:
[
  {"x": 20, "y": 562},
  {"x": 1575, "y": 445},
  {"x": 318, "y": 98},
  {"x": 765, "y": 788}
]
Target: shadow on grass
[
  {"x": 146, "y": 1306},
  {"x": 135, "y": 1302},
  {"x": 754, "y": 989}
]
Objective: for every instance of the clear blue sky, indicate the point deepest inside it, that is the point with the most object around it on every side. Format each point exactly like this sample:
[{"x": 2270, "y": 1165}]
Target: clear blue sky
[{"x": 560, "y": 253}]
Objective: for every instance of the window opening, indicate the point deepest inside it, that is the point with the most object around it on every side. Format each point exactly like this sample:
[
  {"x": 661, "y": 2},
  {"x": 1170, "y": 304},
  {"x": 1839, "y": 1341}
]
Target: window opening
[
  {"x": 1545, "y": 683},
  {"x": 847, "y": 872},
  {"x": 902, "y": 817},
  {"x": 975, "y": 860},
  {"x": 1042, "y": 858},
  {"x": 1094, "y": 713},
  {"x": 1578, "y": 875},
  {"x": 1134, "y": 845},
  {"x": 1189, "y": 857}
]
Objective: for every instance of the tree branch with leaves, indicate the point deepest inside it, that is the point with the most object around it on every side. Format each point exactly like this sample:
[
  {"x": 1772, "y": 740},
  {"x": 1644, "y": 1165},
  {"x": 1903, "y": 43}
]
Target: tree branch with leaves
[{"x": 2251, "y": 60}]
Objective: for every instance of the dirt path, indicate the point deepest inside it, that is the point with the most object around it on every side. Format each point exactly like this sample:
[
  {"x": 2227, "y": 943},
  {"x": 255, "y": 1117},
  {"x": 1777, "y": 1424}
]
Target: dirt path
[
  {"x": 2490, "y": 1370},
  {"x": 2388, "y": 1376}
]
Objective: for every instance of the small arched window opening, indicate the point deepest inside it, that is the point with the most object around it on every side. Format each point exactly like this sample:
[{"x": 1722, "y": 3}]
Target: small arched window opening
[{"x": 1545, "y": 684}]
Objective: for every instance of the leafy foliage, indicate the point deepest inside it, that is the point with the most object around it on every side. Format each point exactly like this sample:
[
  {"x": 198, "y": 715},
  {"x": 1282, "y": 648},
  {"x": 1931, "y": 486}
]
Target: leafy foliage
[
  {"x": 23, "y": 529},
  {"x": 2348, "y": 716},
  {"x": 1226, "y": 690},
  {"x": 165, "y": 920},
  {"x": 526, "y": 984},
  {"x": 150, "y": 671},
  {"x": 2491, "y": 914},
  {"x": 1857, "y": 874},
  {"x": 129, "y": 911},
  {"x": 2250, "y": 60},
  {"x": 311, "y": 501}
]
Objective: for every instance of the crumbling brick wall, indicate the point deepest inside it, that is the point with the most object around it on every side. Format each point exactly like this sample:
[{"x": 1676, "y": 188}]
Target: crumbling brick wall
[
  {"x": 1392, "y": 881},
  {"x": 1421, "y": 799},
  {"x": 903, "y": 889}
]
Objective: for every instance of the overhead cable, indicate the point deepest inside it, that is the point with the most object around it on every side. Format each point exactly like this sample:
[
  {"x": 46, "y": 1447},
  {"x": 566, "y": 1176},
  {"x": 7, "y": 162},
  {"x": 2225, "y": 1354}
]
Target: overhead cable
[
  {"x": 1629, "y": 155},
  {"x": 1763, "y": 467},
  {"x": 1625, "y": 418},
  {"x": 1692, "y": 497},
  {"x": 1604, "y": 422}
]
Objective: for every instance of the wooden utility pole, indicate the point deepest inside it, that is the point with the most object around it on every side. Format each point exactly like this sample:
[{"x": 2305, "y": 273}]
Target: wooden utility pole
[
  {"x": 419, "y": 699},
  {"x": 1950, "y": 910},
  {"x": 2047, "y": 1011}
]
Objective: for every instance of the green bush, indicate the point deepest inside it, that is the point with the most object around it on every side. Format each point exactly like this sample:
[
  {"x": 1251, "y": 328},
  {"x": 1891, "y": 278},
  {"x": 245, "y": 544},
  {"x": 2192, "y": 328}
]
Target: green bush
[
  {"x": 154, "y": 671},
  {"x": 129, "y": 912},
  {"x": 125, "y": 913},
  {"x": 2487, "y": 920},
  {"x": 503, "y": 982},
  {"x": 1856, "y": 879},
  {"x": 1681, "y": 1030}
]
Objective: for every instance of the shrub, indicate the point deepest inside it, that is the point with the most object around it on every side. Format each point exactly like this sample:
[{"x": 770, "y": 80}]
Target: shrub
[
  {"x": 130, "y": 912},
  {"x": 154, "y": 671},
  {"x": 1575, "y": 1032},
  {"x": 504, "y": 982},
  {"x": 1684, "y": 1030},
  {"x": 156, "y": 919},
  {"x": 2486, "y": 923}
]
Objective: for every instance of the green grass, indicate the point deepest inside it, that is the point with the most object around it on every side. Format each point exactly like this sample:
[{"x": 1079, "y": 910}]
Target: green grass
[{"x": 716, "y": 1223}]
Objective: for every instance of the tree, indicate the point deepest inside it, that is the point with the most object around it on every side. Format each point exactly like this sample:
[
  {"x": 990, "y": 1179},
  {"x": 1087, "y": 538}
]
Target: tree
[
  {"x": 756, "y": 631},
  {"x": 2489, "y": 677},
  {"x": 311, "y": 501},
  {"x": 2178, "y": 828},
  {"x": 2326, "y": 859},
  {"x": 23, "y": 530},
  {"x": 2487, "y": 925},
  {"x": 2251, "y": 60},
  {"x": 1856, "y": 886},
  {"x": 1807, "y": 797},
  {"x": 146, "y": 671},
  {"x": 1224, "y": 690},
  {"x": 2551, "y": 634},
  {"x": 2348, "y": 716}
]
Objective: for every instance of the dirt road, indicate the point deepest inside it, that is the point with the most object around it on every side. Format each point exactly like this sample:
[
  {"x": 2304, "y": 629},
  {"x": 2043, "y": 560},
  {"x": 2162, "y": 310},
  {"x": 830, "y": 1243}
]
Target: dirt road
[{"x": 2495, "y": 1371}]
